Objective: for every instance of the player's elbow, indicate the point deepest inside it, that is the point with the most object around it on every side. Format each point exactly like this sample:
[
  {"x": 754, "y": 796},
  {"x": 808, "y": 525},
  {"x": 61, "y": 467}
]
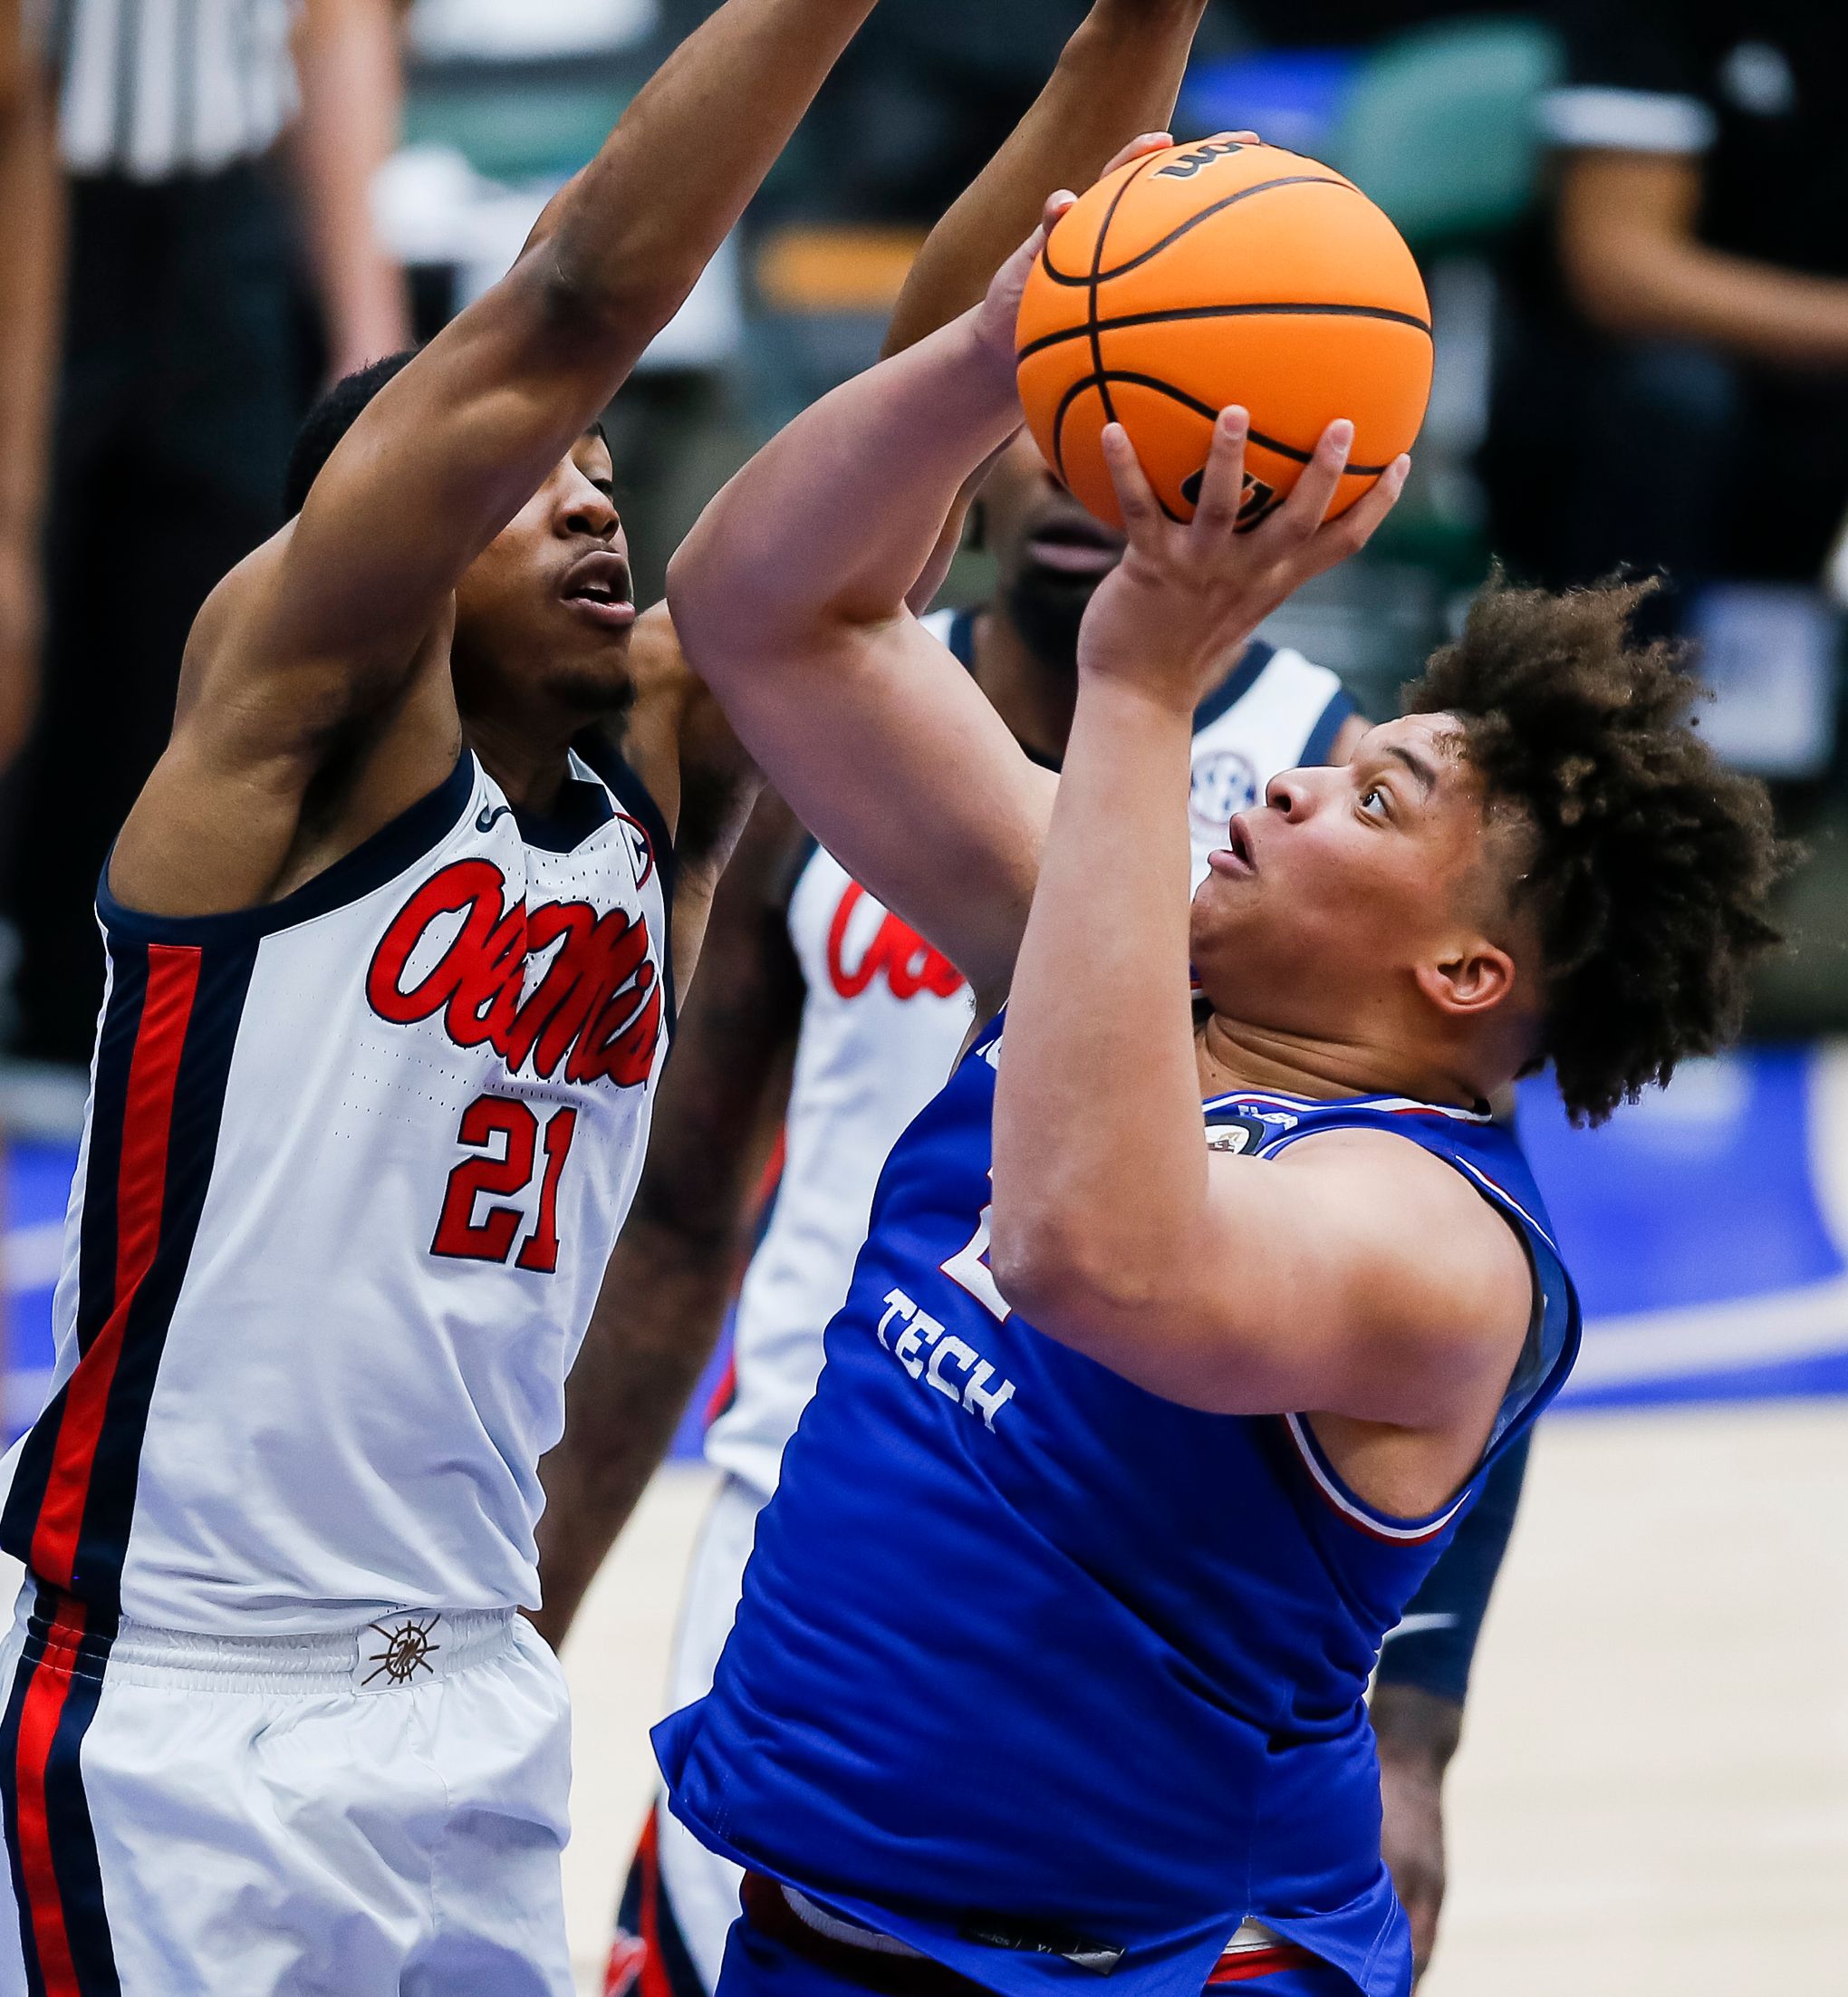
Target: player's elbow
[
  {"x": 1063, "y": 1280},
  {"x": 592, "y": 301}
]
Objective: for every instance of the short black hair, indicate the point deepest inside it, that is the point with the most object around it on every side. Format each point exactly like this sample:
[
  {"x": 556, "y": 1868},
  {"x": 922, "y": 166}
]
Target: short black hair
[
  {"x": 1649, "y": 865},
  {"x": 330, "y": 419}
]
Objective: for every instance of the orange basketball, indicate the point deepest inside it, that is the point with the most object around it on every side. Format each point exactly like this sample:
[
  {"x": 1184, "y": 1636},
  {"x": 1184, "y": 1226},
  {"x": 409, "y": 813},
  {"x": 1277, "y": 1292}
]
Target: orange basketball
[{"x": 1215, "y": 274}]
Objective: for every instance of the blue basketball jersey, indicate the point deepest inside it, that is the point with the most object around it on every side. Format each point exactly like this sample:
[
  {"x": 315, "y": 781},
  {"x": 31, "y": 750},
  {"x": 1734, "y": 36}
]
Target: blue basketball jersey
[{"x": 1048, "y": 1676}]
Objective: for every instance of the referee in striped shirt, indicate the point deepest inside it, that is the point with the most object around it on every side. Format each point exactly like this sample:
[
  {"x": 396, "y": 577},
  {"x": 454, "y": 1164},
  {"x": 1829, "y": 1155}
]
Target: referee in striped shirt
[{"x": 221, "y": 263}]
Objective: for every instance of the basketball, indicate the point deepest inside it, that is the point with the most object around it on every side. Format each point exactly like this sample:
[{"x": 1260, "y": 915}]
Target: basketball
[{"x": 1216, "y": 274}]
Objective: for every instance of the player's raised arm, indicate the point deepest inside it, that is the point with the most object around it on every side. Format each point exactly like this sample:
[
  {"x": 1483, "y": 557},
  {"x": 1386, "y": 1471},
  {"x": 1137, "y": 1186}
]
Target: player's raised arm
[
  {"x": 1118, "y": 76},
  {"x": 451, "y": 448},
  {"x": 791, "y": 598},
  {"x": 1112, "y": 1224}
]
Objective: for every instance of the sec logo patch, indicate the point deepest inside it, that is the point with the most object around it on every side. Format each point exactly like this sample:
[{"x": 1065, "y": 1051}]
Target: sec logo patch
[{"x": 1225, "y": 782}]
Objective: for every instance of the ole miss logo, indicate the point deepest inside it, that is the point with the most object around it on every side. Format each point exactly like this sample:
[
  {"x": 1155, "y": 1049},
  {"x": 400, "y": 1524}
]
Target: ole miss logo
[
  {"x": 463, "y": 951},
  {"x": 866, "y": 941}
]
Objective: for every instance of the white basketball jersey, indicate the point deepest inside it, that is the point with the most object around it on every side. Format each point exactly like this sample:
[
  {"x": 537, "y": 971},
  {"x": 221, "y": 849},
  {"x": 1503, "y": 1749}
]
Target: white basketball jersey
[
  {"x": 884, "y": 1017},
  {"x": 352, "y": 1166}
]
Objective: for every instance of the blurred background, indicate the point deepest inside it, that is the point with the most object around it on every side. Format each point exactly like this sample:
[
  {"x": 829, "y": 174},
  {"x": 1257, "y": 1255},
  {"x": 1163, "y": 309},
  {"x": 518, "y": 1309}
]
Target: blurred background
[{"x": 1633, "y": 220}]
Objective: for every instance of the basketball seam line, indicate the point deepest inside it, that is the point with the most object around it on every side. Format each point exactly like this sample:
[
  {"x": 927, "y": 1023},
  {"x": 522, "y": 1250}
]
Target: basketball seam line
[
  {"x": 1282, "y": 311},
  {"x": 1193, "y": 222},
  {"x": 1116, "y": 202},
  {"x": 1206, "y": 409}
]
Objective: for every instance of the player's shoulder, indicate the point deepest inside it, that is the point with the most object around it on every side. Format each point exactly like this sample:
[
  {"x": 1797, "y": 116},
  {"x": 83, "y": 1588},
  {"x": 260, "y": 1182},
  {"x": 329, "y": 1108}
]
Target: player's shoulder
[{"x": 1433, "y": 1235}]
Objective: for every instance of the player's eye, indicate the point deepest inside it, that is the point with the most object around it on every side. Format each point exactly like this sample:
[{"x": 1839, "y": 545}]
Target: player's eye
[{"x": 1375, "y": 800}]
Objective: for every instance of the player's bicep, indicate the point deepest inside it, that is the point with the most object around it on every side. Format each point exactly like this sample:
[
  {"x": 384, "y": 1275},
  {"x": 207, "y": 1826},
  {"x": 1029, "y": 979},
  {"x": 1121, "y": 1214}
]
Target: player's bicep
[{"x": 891, "y": 756}]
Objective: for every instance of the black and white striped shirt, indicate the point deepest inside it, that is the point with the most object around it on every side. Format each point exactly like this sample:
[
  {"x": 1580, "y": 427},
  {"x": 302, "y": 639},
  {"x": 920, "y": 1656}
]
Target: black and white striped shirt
[{"x": 155, "y": 88}]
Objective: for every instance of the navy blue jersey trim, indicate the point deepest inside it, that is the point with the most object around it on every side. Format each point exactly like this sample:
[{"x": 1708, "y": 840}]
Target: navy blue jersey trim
[
  {"x": 81, "y": 1912},
  {"x": 96, "y": 1241},
  {"x": 9, "y": 1816},
  {"x": 961, "y": 638},
  {"x": 1236, "y": 684},
  {"x": 583, "y": 809},
  {"x": 72, "y": 1835},
  {"x": 1319, "y": 749},
  {"x": 647, "y": 1915},
  {"x": 192, "y": 1145},
  {"x": 607, "y": 759},
  {"x": 393, "y": 850}
]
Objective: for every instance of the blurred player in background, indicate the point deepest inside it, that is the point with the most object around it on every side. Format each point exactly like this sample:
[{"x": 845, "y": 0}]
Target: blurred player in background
[
  {"x": 391, "y": 933},
  {"x": 222, "y": 266},
  {"x": 1683, "y": 300},
  {"x": 807, "y": 973},
  {"x": 1051, "y": 1660}
]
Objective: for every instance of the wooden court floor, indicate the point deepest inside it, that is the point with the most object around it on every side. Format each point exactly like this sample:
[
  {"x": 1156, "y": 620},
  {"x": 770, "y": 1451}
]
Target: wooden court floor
[{"x": 1652, "y": 1796}]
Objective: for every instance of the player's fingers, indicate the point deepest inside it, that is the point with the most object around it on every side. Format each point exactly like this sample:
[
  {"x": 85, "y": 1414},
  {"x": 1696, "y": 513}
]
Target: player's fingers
[
  {"x": 1142, "y": 511},
  {"x": 1307, "y": 506},
  {"x": 1151, "y": 141},
  {"x": 1348, "y": 535},
  {"x": 1056, "y": 208},
  {"x": 1222, "y": 488}
]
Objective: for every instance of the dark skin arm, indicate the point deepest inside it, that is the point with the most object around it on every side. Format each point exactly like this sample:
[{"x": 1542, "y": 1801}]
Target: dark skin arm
[
  {"x": 1118, "y": 76},
  {"x": 667, "y": 1285},
  {"x": 1417, "y": 1733},
  {"x": 329, "y": 647},
  {"x": 671, "y": 1279}
]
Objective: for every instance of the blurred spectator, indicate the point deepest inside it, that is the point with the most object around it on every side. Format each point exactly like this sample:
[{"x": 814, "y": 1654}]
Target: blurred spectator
[
  {"x": 190, "y": 349},
  {"x": 1673, "y": 389},
  {"x": 28, "y": 320}
]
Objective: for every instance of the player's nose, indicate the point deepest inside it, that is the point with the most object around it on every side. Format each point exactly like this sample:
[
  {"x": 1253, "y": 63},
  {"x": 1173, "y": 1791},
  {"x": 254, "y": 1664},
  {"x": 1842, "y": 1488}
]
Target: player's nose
[
  {"x": 587, "y": 510},
  {"x": 1291, "y": 794}
]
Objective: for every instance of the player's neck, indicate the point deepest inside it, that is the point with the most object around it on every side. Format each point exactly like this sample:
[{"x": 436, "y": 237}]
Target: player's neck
[
  {"x": 1035, "y": 699},
  {"x": 1234, "y": 1054},
  {"x": 531, "y": 769}
]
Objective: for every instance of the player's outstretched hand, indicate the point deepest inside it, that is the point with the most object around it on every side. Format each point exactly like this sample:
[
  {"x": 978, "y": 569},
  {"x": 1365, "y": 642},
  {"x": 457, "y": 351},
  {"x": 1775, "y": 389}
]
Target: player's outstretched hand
[{"x": 1188, "y": 595}]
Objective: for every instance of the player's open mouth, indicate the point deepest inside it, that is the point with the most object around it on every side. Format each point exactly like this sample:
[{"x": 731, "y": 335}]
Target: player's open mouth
[
  {"x": 598, "y": 587},
  {"x": 1235, "y": 857},
  {"x": 1074, "y": 544}
]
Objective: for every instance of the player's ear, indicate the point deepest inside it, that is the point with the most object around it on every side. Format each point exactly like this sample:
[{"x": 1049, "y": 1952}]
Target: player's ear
[{"x": 1468, "y": 980}]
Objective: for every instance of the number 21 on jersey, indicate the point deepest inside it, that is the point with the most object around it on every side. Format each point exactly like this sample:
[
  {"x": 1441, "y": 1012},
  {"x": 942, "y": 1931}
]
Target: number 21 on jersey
[{"x": 512, "y": 1146}]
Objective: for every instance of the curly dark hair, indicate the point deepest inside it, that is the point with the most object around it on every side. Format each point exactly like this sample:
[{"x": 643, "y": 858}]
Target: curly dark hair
[{"x": 1649, "y": 865}]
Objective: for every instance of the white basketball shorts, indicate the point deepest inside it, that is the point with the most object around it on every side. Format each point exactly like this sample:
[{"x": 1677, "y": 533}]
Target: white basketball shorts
[{"x": 376, "y": 1812}]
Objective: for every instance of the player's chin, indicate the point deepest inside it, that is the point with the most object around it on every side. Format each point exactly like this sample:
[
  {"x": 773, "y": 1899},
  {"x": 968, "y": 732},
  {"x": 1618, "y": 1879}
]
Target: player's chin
[{"x": 593, "y": 686}]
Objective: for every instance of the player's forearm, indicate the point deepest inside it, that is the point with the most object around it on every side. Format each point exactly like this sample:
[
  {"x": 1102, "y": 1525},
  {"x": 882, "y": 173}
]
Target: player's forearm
[
  {"x": 1117, "y": 78},
  {"x": 1685, "y": 292},
  {"x": 1636, "y": 267},
  {"x": 627, "y": 239},
  {"x": 664, "y": 1302},
  {"x": 351, "y": 98},
  {"x": 830, "y": 525},
  {"x": 1100, "y": 1174}
]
